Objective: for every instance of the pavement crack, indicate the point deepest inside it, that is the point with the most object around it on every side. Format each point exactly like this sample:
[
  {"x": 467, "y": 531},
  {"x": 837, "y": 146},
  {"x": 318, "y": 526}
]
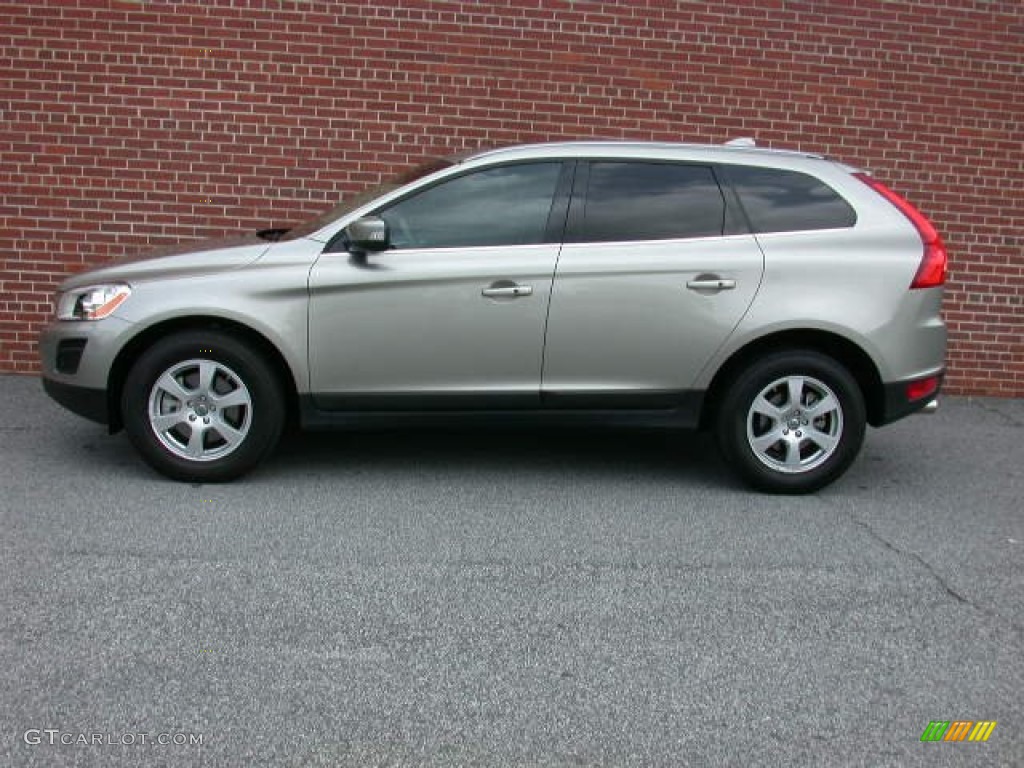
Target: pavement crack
[
  {"x": 939, "y": 579},
  {"x": 991, "y": 408},
  {"x": 917, "y": 558}
]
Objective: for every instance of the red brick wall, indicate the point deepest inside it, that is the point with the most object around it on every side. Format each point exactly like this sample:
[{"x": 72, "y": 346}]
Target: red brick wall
[{"x": 134, "y": 123}]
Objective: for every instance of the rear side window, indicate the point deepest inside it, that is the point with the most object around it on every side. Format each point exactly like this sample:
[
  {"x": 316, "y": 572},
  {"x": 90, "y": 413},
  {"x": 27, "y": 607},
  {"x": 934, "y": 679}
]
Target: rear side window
[
  {"x": 651, "y": 201},
  {"x": 789, "y": 201}
]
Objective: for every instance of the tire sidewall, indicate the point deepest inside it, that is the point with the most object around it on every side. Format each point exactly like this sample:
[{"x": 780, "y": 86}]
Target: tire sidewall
[
  {"x": 732, "y": 421},
  {"x": 267, "y": 404}
]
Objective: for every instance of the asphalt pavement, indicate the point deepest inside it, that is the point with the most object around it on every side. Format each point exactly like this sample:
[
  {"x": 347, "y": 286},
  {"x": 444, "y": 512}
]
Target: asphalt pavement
[{"x": 503, "y": 599}]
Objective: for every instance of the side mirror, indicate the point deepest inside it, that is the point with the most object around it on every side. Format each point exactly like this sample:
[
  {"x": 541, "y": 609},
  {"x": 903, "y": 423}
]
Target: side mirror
[{"x": 368, "y": 234}]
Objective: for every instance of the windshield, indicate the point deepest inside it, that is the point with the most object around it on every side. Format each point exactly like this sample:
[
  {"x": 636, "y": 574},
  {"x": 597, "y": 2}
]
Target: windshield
[{"x": 350, "y": 204}]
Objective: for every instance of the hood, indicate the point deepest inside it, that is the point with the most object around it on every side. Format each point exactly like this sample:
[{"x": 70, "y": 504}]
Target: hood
[{"x": 194, "y": 259}]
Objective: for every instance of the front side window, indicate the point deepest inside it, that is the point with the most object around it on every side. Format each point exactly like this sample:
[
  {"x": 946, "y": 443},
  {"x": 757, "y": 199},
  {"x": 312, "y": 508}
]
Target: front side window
[
  {"x": 789, "y": 201},
  {"x": 508, "y": 205},
  {"x": 651, "y": 201},
  {"x": 348, "y": 205}
]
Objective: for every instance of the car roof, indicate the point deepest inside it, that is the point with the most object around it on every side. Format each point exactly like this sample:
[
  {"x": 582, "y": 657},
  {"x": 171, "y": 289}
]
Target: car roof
[
  {"x": 740, "y": 153},
  {"x": 613, "y": 147}
]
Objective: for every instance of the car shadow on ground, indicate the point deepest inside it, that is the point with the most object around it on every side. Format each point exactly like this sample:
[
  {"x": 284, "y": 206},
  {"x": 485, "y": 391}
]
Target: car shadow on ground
[
  {"x": 607, "y": 452},
  {"x": 683, "y": 456},
  {"x": 673, "y": 456}
]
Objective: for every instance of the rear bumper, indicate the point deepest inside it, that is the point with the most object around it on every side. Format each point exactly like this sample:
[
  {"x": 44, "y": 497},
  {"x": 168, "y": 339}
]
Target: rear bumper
[
  {"x": 90, "y": 403},
  {"x": 896, "y": 405}
]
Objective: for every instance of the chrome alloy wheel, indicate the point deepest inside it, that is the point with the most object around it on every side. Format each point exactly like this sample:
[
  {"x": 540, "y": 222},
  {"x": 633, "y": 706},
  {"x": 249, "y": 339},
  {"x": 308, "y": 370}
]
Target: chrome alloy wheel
[
  {"x": 795, "y": 424},
  {"x": 200, "y": 410}
]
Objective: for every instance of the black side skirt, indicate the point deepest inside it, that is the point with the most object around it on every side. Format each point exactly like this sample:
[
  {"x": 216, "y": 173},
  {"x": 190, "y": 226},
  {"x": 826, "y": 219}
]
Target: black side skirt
[{"x": 643, "y": 410}]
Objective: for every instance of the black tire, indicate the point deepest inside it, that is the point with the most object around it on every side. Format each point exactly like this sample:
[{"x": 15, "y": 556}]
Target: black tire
[
  {"x": 819, "y": 431},
  {"x": 203, "y": 406}
]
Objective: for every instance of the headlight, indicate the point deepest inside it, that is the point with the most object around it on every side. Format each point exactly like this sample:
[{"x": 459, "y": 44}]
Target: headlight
[{"x": 94, "y": 302}]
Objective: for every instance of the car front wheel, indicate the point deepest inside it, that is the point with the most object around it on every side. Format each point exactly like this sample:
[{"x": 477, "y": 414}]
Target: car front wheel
[
  {"x": 202, "y": 406},
  {"x": 792, "y": 422}
]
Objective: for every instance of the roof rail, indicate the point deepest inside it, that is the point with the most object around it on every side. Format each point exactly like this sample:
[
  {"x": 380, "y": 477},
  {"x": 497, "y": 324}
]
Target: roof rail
[{"x": 742, "y": 141}]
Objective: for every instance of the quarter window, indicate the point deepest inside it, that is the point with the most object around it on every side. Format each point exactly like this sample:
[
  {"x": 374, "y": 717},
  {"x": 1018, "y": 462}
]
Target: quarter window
[
  {"x": 508, "y": 205},
  {"x": 651, "y": 201},
  {"x": 789, "y": 201}
]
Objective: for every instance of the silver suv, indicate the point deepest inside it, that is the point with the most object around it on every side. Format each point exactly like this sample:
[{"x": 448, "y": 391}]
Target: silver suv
[{"x": 781, "y": 299}]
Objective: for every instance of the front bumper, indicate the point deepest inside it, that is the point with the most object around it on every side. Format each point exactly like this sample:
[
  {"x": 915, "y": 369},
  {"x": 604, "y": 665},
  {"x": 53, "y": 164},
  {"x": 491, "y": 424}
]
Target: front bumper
[
  {"x": 76, "y": 359},
  {"x": 90, "y": 403}
]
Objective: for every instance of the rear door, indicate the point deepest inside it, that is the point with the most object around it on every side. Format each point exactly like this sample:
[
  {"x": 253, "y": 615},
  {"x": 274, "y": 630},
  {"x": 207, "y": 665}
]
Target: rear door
[{"x": 655, "y": 274}]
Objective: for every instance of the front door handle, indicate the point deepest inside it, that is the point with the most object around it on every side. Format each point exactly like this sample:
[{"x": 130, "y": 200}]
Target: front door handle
[
  {"x": 711, "y": 284},
  {"x": 507, "y": 291}
]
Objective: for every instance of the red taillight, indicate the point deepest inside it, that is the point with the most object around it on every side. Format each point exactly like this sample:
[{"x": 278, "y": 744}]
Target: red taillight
[
  {"x": 918, "y": 389},
  {"x": 932, "y": 271}
]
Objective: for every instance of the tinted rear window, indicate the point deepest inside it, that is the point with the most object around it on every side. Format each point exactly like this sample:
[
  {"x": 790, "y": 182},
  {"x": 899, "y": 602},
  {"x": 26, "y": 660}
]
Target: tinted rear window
[
  {"x": 651, "y": 201},
  {"x": 788, "y": 201}
]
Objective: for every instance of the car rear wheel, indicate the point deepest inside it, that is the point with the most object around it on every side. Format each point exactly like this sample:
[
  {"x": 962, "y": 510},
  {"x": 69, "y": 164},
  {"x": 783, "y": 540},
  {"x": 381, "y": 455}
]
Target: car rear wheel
[
  {"x": 202, "y": 406},
  {"x": 792, "y": 422}
]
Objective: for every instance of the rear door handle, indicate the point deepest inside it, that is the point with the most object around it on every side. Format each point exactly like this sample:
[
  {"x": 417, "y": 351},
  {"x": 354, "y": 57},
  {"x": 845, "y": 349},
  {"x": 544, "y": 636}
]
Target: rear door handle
[
  {"x": 507, "y": 291},
  {"x": 711, "y": 284}
]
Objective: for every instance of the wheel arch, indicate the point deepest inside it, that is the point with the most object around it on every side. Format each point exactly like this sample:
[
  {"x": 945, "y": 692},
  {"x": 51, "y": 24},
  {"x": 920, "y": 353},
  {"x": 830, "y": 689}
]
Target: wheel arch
[
  {"x": 131, "y": 351},
  {"x": 847, "y": 353}
]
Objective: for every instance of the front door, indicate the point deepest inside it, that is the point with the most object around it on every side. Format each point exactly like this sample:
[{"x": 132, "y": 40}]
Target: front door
[{"x": 452, "y": 315}]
